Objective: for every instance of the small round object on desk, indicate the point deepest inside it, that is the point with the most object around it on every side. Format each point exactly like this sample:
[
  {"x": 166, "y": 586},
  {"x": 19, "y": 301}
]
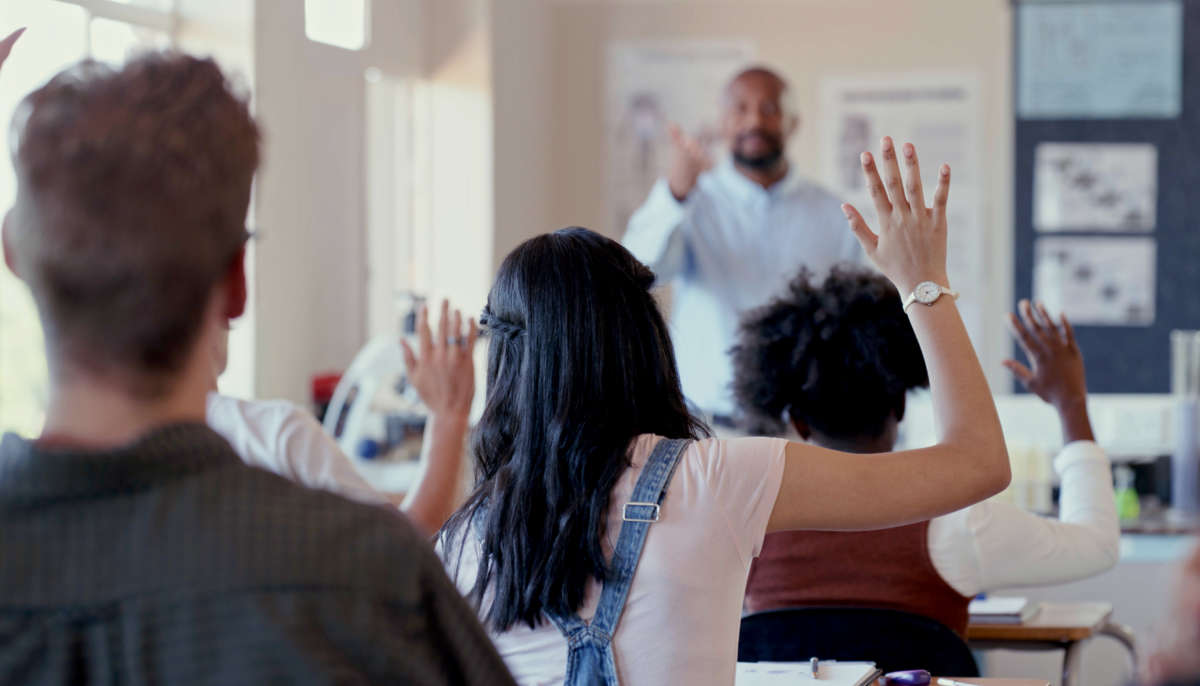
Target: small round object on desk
[{"x": 909, "y": 677}]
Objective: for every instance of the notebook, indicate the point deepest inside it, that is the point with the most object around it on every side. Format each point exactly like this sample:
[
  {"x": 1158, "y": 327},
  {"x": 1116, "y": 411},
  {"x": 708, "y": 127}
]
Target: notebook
[
  {"x": 831, "y": 673},
  {"x": 1001, "y": 610}
]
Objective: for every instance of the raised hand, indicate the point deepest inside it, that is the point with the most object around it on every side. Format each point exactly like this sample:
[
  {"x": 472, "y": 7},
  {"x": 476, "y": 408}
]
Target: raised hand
[
  {"x": 689, "y": 159},
  {"x": 444, "y": 372},
  {"x": 6, "y": 45},
  {"x": 1057, "y": 375},
  {"x": 910, "y": 246}
]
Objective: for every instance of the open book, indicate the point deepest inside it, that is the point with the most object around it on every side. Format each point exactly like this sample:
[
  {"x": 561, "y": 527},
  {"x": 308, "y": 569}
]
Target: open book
[
  {"x": 831, "y": 673},
  {"x": 1002, "y": 610}
]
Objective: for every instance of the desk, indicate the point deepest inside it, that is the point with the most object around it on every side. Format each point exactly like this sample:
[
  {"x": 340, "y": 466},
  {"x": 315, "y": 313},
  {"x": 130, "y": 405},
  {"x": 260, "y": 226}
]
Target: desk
[
  {"x": 997, "y": 682},
  {"x": 1056, "y": 626}
]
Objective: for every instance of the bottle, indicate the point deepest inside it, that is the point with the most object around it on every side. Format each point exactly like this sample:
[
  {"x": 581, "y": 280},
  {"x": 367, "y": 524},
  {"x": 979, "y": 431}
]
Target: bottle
[{"x": 1128, "y": 507}]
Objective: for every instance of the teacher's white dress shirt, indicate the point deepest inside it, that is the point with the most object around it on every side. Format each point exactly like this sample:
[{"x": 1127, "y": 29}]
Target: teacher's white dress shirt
[{"x": 731, "y": 246}]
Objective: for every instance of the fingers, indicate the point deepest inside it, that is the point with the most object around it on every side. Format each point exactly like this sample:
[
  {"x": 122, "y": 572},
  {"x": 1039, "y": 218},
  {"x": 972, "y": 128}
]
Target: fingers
[
  {"x": 883, "y": 208},
  {"x": 891, "y": 175},
  {"x": 913, "y": 191},
  {"x": 866, "y": 237},
  {"x": 424, "y": 334},
  {"x": 6, "y": 45},
  {"x": 1047, "y": 322},
  {"x": 443, "y": 332},
  {"x": 472, "y": 336},
  {"x": 1023, "y": 373},
  {"x": 1025, "y": 339},
  {"x": 456, "y": 329},
  {"x": 410, "y": 359},
  {"x": 941, "y": 194},
  {"x": 676, "y": 134},
  {"x": 1030, "y": 319},
  {"x": 1068, "y": 332}
]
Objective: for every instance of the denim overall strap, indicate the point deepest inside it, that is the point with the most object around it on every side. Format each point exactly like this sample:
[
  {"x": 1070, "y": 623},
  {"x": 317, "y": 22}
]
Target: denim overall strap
[{"x": 590, "y": 658}]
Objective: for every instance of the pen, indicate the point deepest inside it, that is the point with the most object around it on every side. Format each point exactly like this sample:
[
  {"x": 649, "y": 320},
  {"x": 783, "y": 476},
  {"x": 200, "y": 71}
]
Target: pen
[
  {"x": 816, "y": 666},
  {"x": 952, "y": 682}
]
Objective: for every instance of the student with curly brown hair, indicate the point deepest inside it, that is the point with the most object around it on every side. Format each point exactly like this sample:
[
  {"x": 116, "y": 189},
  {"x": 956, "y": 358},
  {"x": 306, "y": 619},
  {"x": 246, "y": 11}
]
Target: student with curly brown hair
[{"x": 835, "y": 360}]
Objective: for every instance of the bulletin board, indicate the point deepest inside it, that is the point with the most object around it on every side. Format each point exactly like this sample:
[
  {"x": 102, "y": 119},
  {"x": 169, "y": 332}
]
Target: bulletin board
[{"x": 1107, "y": 186}]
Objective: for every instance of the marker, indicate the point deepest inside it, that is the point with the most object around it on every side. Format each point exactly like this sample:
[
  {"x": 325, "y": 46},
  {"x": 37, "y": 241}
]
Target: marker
[
  {"x": 952, "y": 682},
  {"x": 816, "y": 667}
]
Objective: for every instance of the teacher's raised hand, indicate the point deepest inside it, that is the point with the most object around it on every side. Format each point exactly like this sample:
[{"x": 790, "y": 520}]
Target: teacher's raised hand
[
  {"x": 6, "y": 45},
  {"x": 910, "y": 246}
]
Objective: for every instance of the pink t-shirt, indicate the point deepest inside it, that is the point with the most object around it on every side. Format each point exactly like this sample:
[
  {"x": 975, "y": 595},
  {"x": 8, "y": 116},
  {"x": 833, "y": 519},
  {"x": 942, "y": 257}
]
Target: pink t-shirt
[{"x": 680, "y": 623}]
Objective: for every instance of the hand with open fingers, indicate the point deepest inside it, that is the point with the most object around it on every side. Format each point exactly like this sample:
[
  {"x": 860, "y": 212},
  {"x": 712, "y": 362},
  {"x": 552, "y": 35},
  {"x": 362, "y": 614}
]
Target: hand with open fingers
[
  {"x": 443, "y": 367},
  {"x": 910, "y": 245},
  {"x": 689, "y": 159},
  {"x": 1057, "y": 374},
  {"x": 6, "y": 45}
]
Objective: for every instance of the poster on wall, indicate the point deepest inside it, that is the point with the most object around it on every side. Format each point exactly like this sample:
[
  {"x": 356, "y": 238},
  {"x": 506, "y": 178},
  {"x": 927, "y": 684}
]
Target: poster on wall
[
  {"x": 651, "y": 84},
  {"x": 1099, "y": 60},
  {"x": 940, "y": 115},
  {"x": 1095, "y": 187},
  {"x": 1097, "y": 281}
]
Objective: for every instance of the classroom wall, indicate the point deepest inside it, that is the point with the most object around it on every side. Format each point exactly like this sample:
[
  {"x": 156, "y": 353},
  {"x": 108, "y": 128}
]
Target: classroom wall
[{"x": 311, "y": 205}]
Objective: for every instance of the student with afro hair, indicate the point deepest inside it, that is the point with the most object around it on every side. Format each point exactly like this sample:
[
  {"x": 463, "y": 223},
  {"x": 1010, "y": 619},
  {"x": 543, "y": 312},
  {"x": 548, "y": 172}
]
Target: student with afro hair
[{"x": 835, "y": 361}]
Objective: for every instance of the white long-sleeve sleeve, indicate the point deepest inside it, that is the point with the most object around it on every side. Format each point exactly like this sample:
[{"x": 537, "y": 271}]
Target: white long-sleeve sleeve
[
  {"x": 657, "y": 231},
  {"x": 280, "y": 437},
  {"x": 994, "y": 545}
]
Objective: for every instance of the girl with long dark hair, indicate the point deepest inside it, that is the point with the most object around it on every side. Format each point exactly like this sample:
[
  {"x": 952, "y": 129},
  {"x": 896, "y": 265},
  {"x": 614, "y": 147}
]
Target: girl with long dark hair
[{"x": 609, "y": 538}]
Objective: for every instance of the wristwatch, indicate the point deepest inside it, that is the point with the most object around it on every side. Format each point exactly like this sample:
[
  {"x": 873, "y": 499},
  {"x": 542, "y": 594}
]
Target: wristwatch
[{"x": 927, "y": 293}]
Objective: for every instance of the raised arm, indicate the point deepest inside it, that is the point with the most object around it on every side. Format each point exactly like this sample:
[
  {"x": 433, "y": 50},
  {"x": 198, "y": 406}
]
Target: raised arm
[
  {"x": 998, "y": 545},
  {"x": 827, "y": 489},
  {"x": 657, "y": 231},
  {"x": 444, "y": 376}
]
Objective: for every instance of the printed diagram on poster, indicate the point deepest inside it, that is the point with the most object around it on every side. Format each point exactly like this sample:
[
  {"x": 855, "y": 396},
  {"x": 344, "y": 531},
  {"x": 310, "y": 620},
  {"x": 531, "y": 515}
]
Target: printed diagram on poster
[
  {"x": 1095, "y": 187},
  {"x": 1097, "y": 281},
  {"x": 940, "y": 115},
  {"x": 653, "y": 84},
  {"x": 1099, "y": 60}
]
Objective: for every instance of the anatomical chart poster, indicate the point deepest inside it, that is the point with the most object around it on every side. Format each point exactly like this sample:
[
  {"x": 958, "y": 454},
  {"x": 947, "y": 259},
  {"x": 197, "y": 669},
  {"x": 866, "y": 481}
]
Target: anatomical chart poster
[{"x": 940, "y": 115}]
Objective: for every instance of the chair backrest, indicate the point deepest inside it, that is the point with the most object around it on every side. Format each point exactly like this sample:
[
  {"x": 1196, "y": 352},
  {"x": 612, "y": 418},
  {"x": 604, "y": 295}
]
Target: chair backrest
[{"x": 893, "y": 640}]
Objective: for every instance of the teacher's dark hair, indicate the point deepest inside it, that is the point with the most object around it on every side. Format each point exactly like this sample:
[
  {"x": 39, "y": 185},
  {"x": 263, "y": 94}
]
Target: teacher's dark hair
[{"x": 579, "y": 364}]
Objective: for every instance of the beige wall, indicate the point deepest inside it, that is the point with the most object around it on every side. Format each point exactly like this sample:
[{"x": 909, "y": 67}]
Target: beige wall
[{"x": 312, "y": 256}]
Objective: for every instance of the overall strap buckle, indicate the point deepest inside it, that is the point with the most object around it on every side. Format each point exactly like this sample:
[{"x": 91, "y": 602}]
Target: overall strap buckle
[{"x": 648, "y": 517}]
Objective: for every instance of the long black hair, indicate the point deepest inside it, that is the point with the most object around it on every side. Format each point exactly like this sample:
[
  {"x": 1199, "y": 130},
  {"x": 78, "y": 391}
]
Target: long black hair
[
  {"x": 579, "y": 364},
  {"x": 839, "y": 355}
]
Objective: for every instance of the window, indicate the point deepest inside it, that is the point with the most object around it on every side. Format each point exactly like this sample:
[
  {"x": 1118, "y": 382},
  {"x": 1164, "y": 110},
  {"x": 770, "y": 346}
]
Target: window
[{"x": 341, "y": 23}]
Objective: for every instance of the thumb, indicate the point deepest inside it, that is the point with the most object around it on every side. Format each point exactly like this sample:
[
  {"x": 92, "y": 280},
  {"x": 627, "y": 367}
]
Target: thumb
[
  {"x": 410, "y": 359},
  {"x": 1023, "y": 373},
  {"x": 862, "y": 232}
]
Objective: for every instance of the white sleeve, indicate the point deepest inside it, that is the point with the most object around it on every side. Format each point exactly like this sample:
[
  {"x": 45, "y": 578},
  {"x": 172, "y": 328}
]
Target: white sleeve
[
  {"x": 657, "y": 231},
  {"x": 317, "y": 461},
  {"x": 994, "y": 545}
]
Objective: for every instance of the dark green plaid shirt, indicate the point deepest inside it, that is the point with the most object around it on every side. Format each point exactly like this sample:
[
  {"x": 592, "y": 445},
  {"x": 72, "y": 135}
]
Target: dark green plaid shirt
[{"x": 170, "y": 561}]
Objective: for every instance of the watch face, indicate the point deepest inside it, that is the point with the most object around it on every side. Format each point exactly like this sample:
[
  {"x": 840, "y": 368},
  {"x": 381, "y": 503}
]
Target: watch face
[{"x": 928, "y": 292}]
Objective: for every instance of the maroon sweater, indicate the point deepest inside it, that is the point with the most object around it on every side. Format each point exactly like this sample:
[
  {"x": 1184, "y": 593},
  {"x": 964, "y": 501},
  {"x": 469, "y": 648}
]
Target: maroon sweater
[{"x": 888, "y": 569}]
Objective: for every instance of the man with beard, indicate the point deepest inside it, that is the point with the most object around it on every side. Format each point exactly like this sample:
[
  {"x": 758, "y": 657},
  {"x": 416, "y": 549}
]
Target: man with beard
[{"x": 730, "y": 236}]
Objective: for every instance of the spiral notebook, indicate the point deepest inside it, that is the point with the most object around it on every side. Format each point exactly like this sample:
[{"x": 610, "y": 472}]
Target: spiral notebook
[{"x": 831, "y": 673}]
